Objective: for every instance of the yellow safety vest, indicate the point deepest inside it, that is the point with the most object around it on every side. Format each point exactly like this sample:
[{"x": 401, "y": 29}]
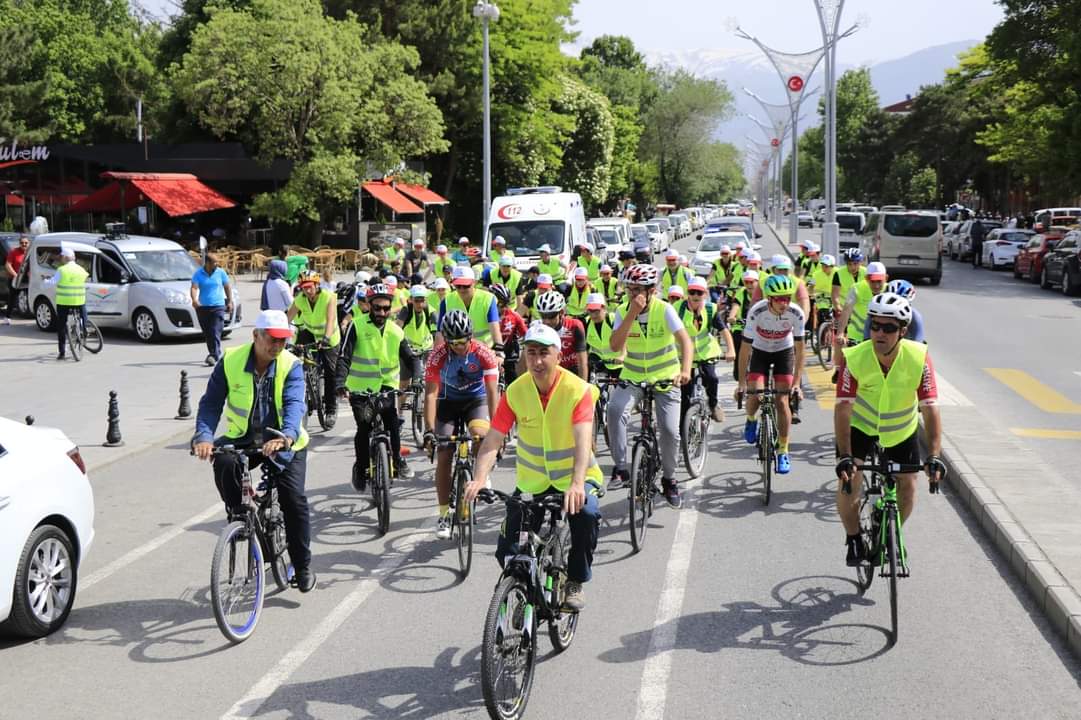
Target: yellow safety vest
[
  {"x": 593, "y": 267},
  {"x": 478, "y": 313},
  {"x": 823, "y": 286},
  {"x": 610, "y": 289},
  {"x": 375, "y": 356},
  {"x": 598, "y": 338},
  {"x": 706, "y": 346},
  {"x": 651, "y": 351},
  {"x": 722, "y": 275},
  {"x": 742, "y": 297},
  {"x": 398, "y": 300},
  {"x": 241, "y": 397},
  {"x": 440, "y": 263},
  {"x": 71, "y": 288},
  {"x": 314, "y": 320},
  {"x": 434, "y": 300},
  {"x": 858, "y": 318},
  {"x": 418, "y": 331},
  {"x": 847, "y": 281},
  {"x": 511, "y": 283},
  {"x": 576, "y": 301},
  {"x": 886, "y": 406},
  {"x": 496, "y": 255},
  {"x": 553, "y": 268},
  {"x": 681, "y": 277},
  {"x": 545, "y": 451}
]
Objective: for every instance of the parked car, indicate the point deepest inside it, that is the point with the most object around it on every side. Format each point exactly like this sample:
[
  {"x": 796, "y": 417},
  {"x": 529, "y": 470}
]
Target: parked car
[
  {"x": 1062, "y": 266},
  {"x": 1002, "y": 245},
  {"x": 1056, "y": 217},
  {"x": 893, "y": 208},
  {"x": 851, "y": 226},
  {"x": 658, "y": 237},
  {"x": 666, "y": 225},
  {"x": 682, "y": 223},
  {"x": 805, "y": 218},
  {"x": 950, "y": 235},
  {"x": 709, "y": 250},
  {"x": 46, "y": 527},
  {"x": 1029, "y": 261},
  {"x": 865, "y": 209},
  {"x": 960, "y": 244},
  {"x": 907, "y": 243}
]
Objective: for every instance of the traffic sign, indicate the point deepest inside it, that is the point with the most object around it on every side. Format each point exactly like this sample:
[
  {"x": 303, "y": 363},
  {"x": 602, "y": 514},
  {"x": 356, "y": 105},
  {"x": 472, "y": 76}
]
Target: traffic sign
[{"x": 795, "y": 83}]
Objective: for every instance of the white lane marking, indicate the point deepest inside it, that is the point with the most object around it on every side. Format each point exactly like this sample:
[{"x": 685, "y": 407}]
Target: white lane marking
[
  {"x": 948, "y": 394},
  {"x": 653, "y": 695},
  {"x": 1077, "y": 373},
  {"x": 148, "y": 547},
  {"x": 249, "y": 705}
]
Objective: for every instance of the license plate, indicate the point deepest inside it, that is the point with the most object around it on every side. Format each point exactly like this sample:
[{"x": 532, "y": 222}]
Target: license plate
[{"x": 909, "y": 261}]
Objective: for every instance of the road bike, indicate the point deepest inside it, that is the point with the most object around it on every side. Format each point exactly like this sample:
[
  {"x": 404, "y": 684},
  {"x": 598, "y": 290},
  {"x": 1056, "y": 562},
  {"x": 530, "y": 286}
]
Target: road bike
[
  {"x": 313, "y": 382},
  {"x": 253, "y": 538},
  {"x": 413, "y": 401},
  {"x": 598, "y": 377},
  {"x": 370, "y": 407},
  {"x": 766, "y": 444},
  {"x": 82, "y": 334},
  {"x": 880, "y": 527},
  {"x": 462, "y": 515},
  {"x": 822, "y": 337},
  {"x": 645, "y": 464},
  {"x": 530, "y": 591},
  {"x": 694, "y": 426}
]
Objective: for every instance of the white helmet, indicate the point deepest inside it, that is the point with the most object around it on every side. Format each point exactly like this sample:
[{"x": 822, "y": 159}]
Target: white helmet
[
  {"x": 362, "y": 276},
  {"x": 551, "y": 302},
  {"x": 890, "y": 305}
]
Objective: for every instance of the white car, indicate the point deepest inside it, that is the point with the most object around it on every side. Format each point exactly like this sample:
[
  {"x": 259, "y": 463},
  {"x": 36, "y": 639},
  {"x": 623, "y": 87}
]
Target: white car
[
  {"x": 658, "y": 235},
  {"x": 709, "y": 250},
  {"x": 46, "y": 527},
  {"x": 1002, "y": 245}
]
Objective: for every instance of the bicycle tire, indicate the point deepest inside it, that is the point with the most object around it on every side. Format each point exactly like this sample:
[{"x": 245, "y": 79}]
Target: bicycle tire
[
  {"x": 463, "y": 522},
  {"x": 276, "y": 546},
  {"x": 562, "y": 625},
  {"x": 865, "y": 571},
  {"x": 891, "y": 555},
  {"x": 694, "y": 438},
  {"x": 317, "y": 398},
  {"x": 75, "y": 339},
  {"x": 251, "y": 581},
  {"x": 825, "y": 346},
  {"x": 93, "y": 342},
  {"x": 765, "y": 437},
  {"x": 639, "y": 496},
  {"x": 417, "y": 417},
  {"x": 380, "y": 482},
  {"x": 510, "y": 639}
]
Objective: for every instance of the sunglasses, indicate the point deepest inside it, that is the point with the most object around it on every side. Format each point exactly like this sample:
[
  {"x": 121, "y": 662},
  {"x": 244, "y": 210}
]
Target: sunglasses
[
  {"x": 459, "y": 343},
  {"x": 781, "y": 299},
  {"x": 888, "y": 328},
  {"x": 550, "y": 316},
  {"x": 696, "y": 293},
  {"x": 381, "y": 308},
  {"x": 637, "y": 288}
]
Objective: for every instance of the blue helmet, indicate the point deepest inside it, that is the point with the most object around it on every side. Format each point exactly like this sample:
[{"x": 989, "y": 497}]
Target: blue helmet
[
  {"x": 853, "y": 255},
  {"x": 903, "y": 288}
]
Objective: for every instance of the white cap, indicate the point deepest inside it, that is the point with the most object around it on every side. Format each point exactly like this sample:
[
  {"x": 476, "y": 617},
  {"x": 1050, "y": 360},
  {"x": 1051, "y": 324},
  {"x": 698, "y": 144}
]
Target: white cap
[
  {"x": 418, "y": 291},
  {"x": 875, "y": 268},
  {"x": 506, "y": 261},
  {"x": 463, "y": 240},
  {"x": 698, "y": 283},
  {"x": 545, "y": 248},
  {"x": 746, "y": 253},
  {"x": 540, "y": 333},
  {"x": 606, "y": 268},
  {"x": 390, "y": 281},
  {"x": 780, "y": 262},
  {"x": 725, "y": 250},
  {"x": 441, "y": 249},
  {"x": 754, "y": 257},
  {"x": 587, "y": 247},
  {"x": 499, "y": 240},
  {"x": 400, "y": 242},
  {"x": 463, "y": 275},
  {"x": 580, "y": 272},
  {"x": 750, "y": 275},
  {"x": 812, "y": 246},
  {"x": 741, "y": 245},
  {"x": 544, "y": 279},
  {"x": 675, "y": 292},
  {"x": 362, "y": 276},
  {"x": 440, "y": 284},
  {"x": 671, "y": 255},
  {"x": 419, "y": 242},
  {"x": 828, "y": 259},
  {"x": 275, "y": 323},
  {"x": 66, "y": 251},
  {"x": 595, "y": 301}
]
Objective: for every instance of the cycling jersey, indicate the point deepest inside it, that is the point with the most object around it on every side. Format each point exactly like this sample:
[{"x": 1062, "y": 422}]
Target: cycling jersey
[
  {"x": 461, "y": 377},
  {"x": 512, "y": 326},
  {"x": 573, "y": 338},
  {"x": 771, "y": 333}
]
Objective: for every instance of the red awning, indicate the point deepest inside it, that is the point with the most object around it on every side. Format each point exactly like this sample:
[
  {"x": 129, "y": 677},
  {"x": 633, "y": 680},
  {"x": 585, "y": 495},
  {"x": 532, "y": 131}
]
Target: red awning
[
  {"x": 390, "y": 197},
  {"x": 14, "y": 200},
  {"x": 175, "y": 193},
  {"x": 421, "y": 194}
]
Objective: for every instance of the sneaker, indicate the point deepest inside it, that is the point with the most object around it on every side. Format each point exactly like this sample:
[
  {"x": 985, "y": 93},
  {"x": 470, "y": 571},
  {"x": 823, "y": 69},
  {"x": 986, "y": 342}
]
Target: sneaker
[
  {"x": 360, "y": 479},
  {"x": 620, "y": 478},
  {"x": 305, "y": 580},
  {"x": 210, "y": 361},
  {"x": 404, "y": 471},
  {"x": 60, "y": 356},
  {"x": 574, "y": 598},
  {"x": 783, "y": 464},
  {"x": 442, "y": 528},
  {"x": 718, "y": 413},
  {"x": 855, "y": 554},
  {"x": 671, "y": 493},
  {"x": 795, "y": 417},
  {"x": 750, "y": 432}
]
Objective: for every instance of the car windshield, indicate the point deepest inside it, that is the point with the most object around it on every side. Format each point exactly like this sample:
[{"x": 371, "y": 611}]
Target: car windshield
[
  {"x": 524, "y": 237},
  {"x": 915, "y": 226},
  {"x": 849, "y": 222},
  {"x": 608, "y": 236},
  {"x": 653, "y": 228},
  {"x": 161, "y": 265},
  {"x": 744, "y": 228},
  {"x": 1017, "y": 237},
  {"x": 639, "y": 231},
  {"x": 713, "y": 243}
]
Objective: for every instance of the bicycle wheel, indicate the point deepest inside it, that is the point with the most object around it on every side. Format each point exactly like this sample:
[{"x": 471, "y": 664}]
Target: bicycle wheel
[
  {"x": 417, "y": 417},
  {"x": 237, "y": 582},
  {"x": 825, "y": 345},
  {"x": 561, "y": 625},
  {"x": 693, "y": 439},
  {"x": 865, "y": 571},
  {"x": 891, "y": 555},
  {"x": 509, "y": 650},
  {"x": 93, "y": 341},
  {"x": 766, "y": 455},
  {"x": 315, "y": 382},
  {"x": 463, "y": 522},
  {"x": 275, "y": 546},
  {"x": 640, "y": 496},
  {"x": 75, "y": 338},
  {"x": 381, "y": 485}
]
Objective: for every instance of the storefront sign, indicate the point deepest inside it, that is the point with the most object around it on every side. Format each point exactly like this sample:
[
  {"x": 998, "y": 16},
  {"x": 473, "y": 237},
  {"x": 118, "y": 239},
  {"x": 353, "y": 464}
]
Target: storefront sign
[{"x": 26, "y": 153}]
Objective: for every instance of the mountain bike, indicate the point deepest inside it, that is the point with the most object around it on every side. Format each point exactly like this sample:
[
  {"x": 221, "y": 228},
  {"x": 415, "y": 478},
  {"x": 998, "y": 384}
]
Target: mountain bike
[
  {"x": 598, "y": 377},
  {"x": 530, "y": 591},
  {"x": 462, "y": 515},
  {"x": 645, "y": 464},
  {"x": 413, "y": 401},
  {"x": 82, "y": 334},
  {"x": 253, "y": 537},
  {"x": 313, "y": 382},
  {"x": 822, "y": 338},
  {"x": 694, "y": 426},
  {"x": 380, "y": 449},
  {"x": 766, "y": 445}
]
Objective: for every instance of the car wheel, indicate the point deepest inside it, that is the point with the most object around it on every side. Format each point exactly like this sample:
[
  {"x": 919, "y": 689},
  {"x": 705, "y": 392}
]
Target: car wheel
[
  {"x": 145, "y": 326},
  {"x": 1044, "y": 282},
  {"x": 22, "y": 302},
  {"x": 1016, "y": 270},
  {"x": 44, "y": 315},
  {"x": 45, "y": 581},
  {"x": 936, "y": 279},
  {"x": 1068, "y": 286}
]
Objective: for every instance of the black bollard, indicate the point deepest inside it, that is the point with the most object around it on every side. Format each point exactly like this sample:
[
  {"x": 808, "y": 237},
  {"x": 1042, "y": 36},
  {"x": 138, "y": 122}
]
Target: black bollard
[
  {"x": 184, "y": 412},
  {"x": 112, "y": 435},
  {"x": 29, "y": 419}
]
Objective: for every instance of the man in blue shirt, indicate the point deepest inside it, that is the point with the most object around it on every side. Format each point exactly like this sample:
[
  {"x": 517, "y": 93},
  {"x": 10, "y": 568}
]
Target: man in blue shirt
[{"x": 212, "y": 298}]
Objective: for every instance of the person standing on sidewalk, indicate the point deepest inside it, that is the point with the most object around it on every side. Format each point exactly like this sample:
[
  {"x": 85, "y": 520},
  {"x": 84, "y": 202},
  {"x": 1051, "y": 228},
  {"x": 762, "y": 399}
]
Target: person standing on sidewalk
[
  {"x": 70, "y": 282},
  {"x": 276, "y": 292},
  {"x": 12, "y": 264},
  {"x": 977, "y": 232},
  {"x": 212, "y": 297}
]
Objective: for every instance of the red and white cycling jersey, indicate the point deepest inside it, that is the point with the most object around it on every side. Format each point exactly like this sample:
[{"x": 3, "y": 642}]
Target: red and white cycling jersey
[{"x": 772, "y": 333}]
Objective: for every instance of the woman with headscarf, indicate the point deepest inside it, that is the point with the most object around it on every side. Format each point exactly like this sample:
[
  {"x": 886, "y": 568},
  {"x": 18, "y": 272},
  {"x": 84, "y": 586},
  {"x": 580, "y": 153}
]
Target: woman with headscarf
[{"x": 276, "y": 292}]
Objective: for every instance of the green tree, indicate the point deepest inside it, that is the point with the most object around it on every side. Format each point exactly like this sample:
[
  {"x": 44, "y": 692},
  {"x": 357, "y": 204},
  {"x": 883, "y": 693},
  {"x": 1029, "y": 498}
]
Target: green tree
[
  {"x": 587, "y": 150},
  {"x": 923, "y": 188},
  {"x": 864, "y": 149},
  {"x": 720, "y": 176},
  {"x": 20, "y": 96}
]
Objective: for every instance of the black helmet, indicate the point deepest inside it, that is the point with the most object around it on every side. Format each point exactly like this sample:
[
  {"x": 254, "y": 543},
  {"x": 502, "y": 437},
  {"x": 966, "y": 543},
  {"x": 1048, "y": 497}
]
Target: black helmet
[{"x": 456, "y": 325}]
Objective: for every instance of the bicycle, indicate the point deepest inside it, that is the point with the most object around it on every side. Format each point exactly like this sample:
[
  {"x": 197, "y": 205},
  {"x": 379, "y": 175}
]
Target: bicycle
[
  {"x": 604, "y": 382},
  {"x": 413, "y": 401},
  {"x": 880, "y": 527},
  {"x": 694, "y": 427},
  {"x": 645, "y": 464},
  {"x": 82, "y": 335},
  {"x": 822, "y": 337},
  {"x": 462, "y": 515},
  {"x": 252, "y": 538},
  {"x": 766, "y": 444},
  {"x": 372, "y": 404},
  {"x": 530, "y": 590},
  {"x": 313, "y": 382}
]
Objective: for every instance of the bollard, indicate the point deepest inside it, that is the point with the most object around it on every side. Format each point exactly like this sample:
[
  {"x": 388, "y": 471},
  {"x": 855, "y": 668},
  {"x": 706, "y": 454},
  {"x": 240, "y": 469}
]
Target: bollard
[
  {"x": 112, "y": 435},
  {"x": 184, "y": 411},
  {"x": 29, "y": 419}
]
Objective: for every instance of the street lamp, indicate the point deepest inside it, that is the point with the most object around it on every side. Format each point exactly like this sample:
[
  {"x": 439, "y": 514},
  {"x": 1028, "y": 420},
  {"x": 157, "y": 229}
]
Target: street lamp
[
  {"x": 487, "y": 12},
  {"x": 780, "y": 116}
]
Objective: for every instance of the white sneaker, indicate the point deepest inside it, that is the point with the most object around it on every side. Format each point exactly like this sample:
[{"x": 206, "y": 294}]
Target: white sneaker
[{"x": 442, "y": 528}]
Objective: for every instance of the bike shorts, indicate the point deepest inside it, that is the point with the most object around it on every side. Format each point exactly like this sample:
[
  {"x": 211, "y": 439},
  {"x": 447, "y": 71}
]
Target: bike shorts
[
  {"x": 448, "y": 411},
  {"x": 905, "y": 453},
  {"x": 783, "y": 363}
]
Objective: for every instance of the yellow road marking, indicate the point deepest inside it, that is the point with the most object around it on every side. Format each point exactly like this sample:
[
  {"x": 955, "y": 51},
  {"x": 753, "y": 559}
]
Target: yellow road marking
[
  {"x": 1034, "y": 391},
  {"x": 1047, "y": 434},
  {"x": 825, "y": 394}
]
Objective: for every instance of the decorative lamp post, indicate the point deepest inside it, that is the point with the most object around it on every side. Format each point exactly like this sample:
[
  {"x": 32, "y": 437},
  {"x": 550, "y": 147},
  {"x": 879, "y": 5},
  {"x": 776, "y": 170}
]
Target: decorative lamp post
[{"x": 487, "y": 12}]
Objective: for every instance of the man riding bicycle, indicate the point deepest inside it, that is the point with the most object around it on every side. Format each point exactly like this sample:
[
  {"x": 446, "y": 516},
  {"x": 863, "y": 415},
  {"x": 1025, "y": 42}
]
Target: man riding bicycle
[
  {"x": 418, "y": 325},
  {"x": 738, "y": 308},
  {"x": 599, "y": 337},
  {"x": 702, "y": 320},
  {"x": 315, "y": 312},
  {"x": 552, "y": 308},
  {"x": 553, "y": 410},
  {"x": 479, "y": 305},
  {"x": 261, "y": 385},
  {"x": 885, "y": 385},
  {"x": 70, "y": 282}
]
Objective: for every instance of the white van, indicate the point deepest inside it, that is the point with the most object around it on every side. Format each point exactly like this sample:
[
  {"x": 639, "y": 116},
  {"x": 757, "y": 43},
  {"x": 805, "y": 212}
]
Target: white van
[
  {"x": 136, "y": 282},
  {"x": 530, "y": 217},
  {"x": 1050, "y": 217},
  {"x": 616, "y": 232},
  {"x": 907, "y": 243}
]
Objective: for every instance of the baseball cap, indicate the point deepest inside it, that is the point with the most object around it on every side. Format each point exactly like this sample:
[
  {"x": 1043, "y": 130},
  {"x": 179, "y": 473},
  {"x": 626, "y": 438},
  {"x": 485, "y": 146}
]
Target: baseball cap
[
  {"x": 671, "y": 255},
  {"x": 463, "y": 240},
  {"x": 506, "y": 261},
  {"x": 587, "y": 247},
  {"x": 400, "y": 242},
  {"x": 675, "y": 292},
  {"x": 544, "y": 280},
  {"x": 812, "y": 246},
  {"x": 741, "y": 245},
  {"x": 418, "y": 291},
  {"x": 580, "y": 272},
  {"x": 780, "y": 262},
  {"x": 418, "y": 243},
  {"x": 725, "y": 250},
  {"x": 698, "y": 283},
  {"x": 499, "y": 240},
  {"x": 391, "y": 281},
  {"x": 463, "y": 275},
  {"x": 545, "y": 248},
  {"x": 595, "y": 301},
  {"x": 441, "y": 249},
  {"x": 66, "y": 251},
  {"x": 275, "y": 323},
  {"x": 750, "y": 275},
  {"x": 828, "y": 260},
  {"x": 440, "y": 284},
  {"x": 876, "y": 271},
  {"x": 541, "y": 334},
  {"x": 606, "y": 269}
]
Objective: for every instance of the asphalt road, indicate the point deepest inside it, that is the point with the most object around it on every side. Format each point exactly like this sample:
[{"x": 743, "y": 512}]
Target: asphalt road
[{"x": 732, "y": 609}]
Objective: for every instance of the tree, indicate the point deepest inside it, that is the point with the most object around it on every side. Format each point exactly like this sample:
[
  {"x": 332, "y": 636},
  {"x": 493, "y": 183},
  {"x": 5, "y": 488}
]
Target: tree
[
  {"x": 587, "y": 149},
  {"x": 20, "y": 96},
  {"x": 720, "y": 176},
  {"x": 864, "y": 149}
]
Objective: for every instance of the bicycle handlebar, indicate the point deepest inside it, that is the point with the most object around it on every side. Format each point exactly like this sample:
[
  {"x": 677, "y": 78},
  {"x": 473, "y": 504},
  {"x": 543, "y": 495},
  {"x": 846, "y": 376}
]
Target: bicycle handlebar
[
  {"x": 553, "y": 501},
  {"x": 892, "y": 469}
]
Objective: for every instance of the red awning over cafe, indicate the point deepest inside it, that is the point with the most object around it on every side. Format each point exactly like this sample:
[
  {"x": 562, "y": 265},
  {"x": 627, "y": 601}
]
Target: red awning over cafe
[
  {"x": 385, "y": 193},
  {"x": 175, "y": 193},
  {"x": 421, "y": 194}
]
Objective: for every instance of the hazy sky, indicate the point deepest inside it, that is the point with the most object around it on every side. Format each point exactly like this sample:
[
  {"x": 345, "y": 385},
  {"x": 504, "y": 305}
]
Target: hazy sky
[{"x": 896, "y": 28}]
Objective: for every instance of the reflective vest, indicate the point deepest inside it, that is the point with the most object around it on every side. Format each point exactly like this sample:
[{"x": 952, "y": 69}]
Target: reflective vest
[
  {"x": 392, "y": 253},
  {"x": 807, "y": 264},
  {"x": 398, "y": 300},
  {"x": 478, "y": 313},
  {"x": 375, "y": 356},
  {"x": 598, "y": 338},
  {"x": 857, "y": 319},
  {"x": 593, "y": 267},
  {"x": 722, "y": 275},
  {"x": 511, "y": 283},
  {"x": 847, "y": 281},
  {"x": 886, "y": 406},
  {"x": 314, "y": 320},
  {"x": 419, "y": 330},
  {"x": 651, "y": 351},
  {"x": 706, "y": 346},
  {"x": 241, "y": 397},
  {"x": 434, "y": 300},
  {"x": 440, "y": 263},
  {"x": 609, "y": 289},
  {"x": 680, "y": 277},
  {"x": 737, "y": 274},
  {"x": 71, "y": 288},
  {"x": 823, "y": 286},
  {"x": 495, "y": 255},
  {"x": 742, "y": 297},
  {"x": 545, "y": 451},
  {"x": 576, "y": 301},
  {"x": 553, "y": 268}
]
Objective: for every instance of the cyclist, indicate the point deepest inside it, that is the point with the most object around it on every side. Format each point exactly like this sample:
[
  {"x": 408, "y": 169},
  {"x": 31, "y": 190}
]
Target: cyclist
[
  {"x": 804, "y": 259},
  {"x": 553, "y": 410},
  {"x": 820, "y": 285},
  {"x": 509, "y": 278},
  {"x": 599, "y": 335},
  {"x": 441, "y": 261},
  {"x": 417, "y": 322},
  {"x": 371, "y": 362},
  {"x": 885, "y": 385},
  {"x": 808, "y": 263},
  {"x": 782, "y": 265},
  {"x": 673, "y": 273},
  {"x": 609, "y": 286},
  {"x": 461, "y": 255},
  {"x": 854, "y": 315},
  {"x": 658, "y": 350},
  {"x": 590, "y": 262},
  {"x": 416, "y": 259},
  {"x": 702, "y": 320},
  {"x": 499, "y": 251},
  {"x": 737, "y": 314},
  {"x": 393, "y": 253},
  {"x": 259, "y": 385},
  {"x": 552, "y": 309},
  {"x": 460, "y": 381},
  {"x": 315, "y": 312},
  {"x": 549, "y": 265},
  {"x": 580, "y": 290},
  {"x": 70, "y": 282},
  {"x": 627, "y": 260},
  {"x": 479, "y": 304},
  {"x": 844, "y": 278},
  {"x": 675, "y": 294},
  {"x": 529, "y": 300},
  {"x": 915, "y": 327},
  {"x": 513, "y": 328},
  {"x": 721, "y": 276},
  {"x": 399, "y": 295},
  {"x": 439, "y": 288},
  {"x": 773, "y": 338}
]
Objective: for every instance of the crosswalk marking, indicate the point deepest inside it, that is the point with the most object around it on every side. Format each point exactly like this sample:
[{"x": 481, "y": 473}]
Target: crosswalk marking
[
  {"x": 1031, "y": 389},
  {"x": 1047, "y": 434}
]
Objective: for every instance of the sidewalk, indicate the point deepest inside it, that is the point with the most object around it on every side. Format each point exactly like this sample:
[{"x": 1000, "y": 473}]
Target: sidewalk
[{"x": 1024, "y": 506}]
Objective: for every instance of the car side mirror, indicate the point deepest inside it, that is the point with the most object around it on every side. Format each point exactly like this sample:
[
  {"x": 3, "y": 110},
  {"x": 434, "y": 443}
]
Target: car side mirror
[{"x": 125, "y": 277}]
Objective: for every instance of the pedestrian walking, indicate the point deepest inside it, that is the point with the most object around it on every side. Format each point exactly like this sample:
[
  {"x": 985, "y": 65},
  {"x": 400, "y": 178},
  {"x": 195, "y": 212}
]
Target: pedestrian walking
[
  {"x": 12, "y": 264},
  {"x": 212, "y": 297},
  {"x": 977, "y": 233},
  {"x": 277, "y": 294}
]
